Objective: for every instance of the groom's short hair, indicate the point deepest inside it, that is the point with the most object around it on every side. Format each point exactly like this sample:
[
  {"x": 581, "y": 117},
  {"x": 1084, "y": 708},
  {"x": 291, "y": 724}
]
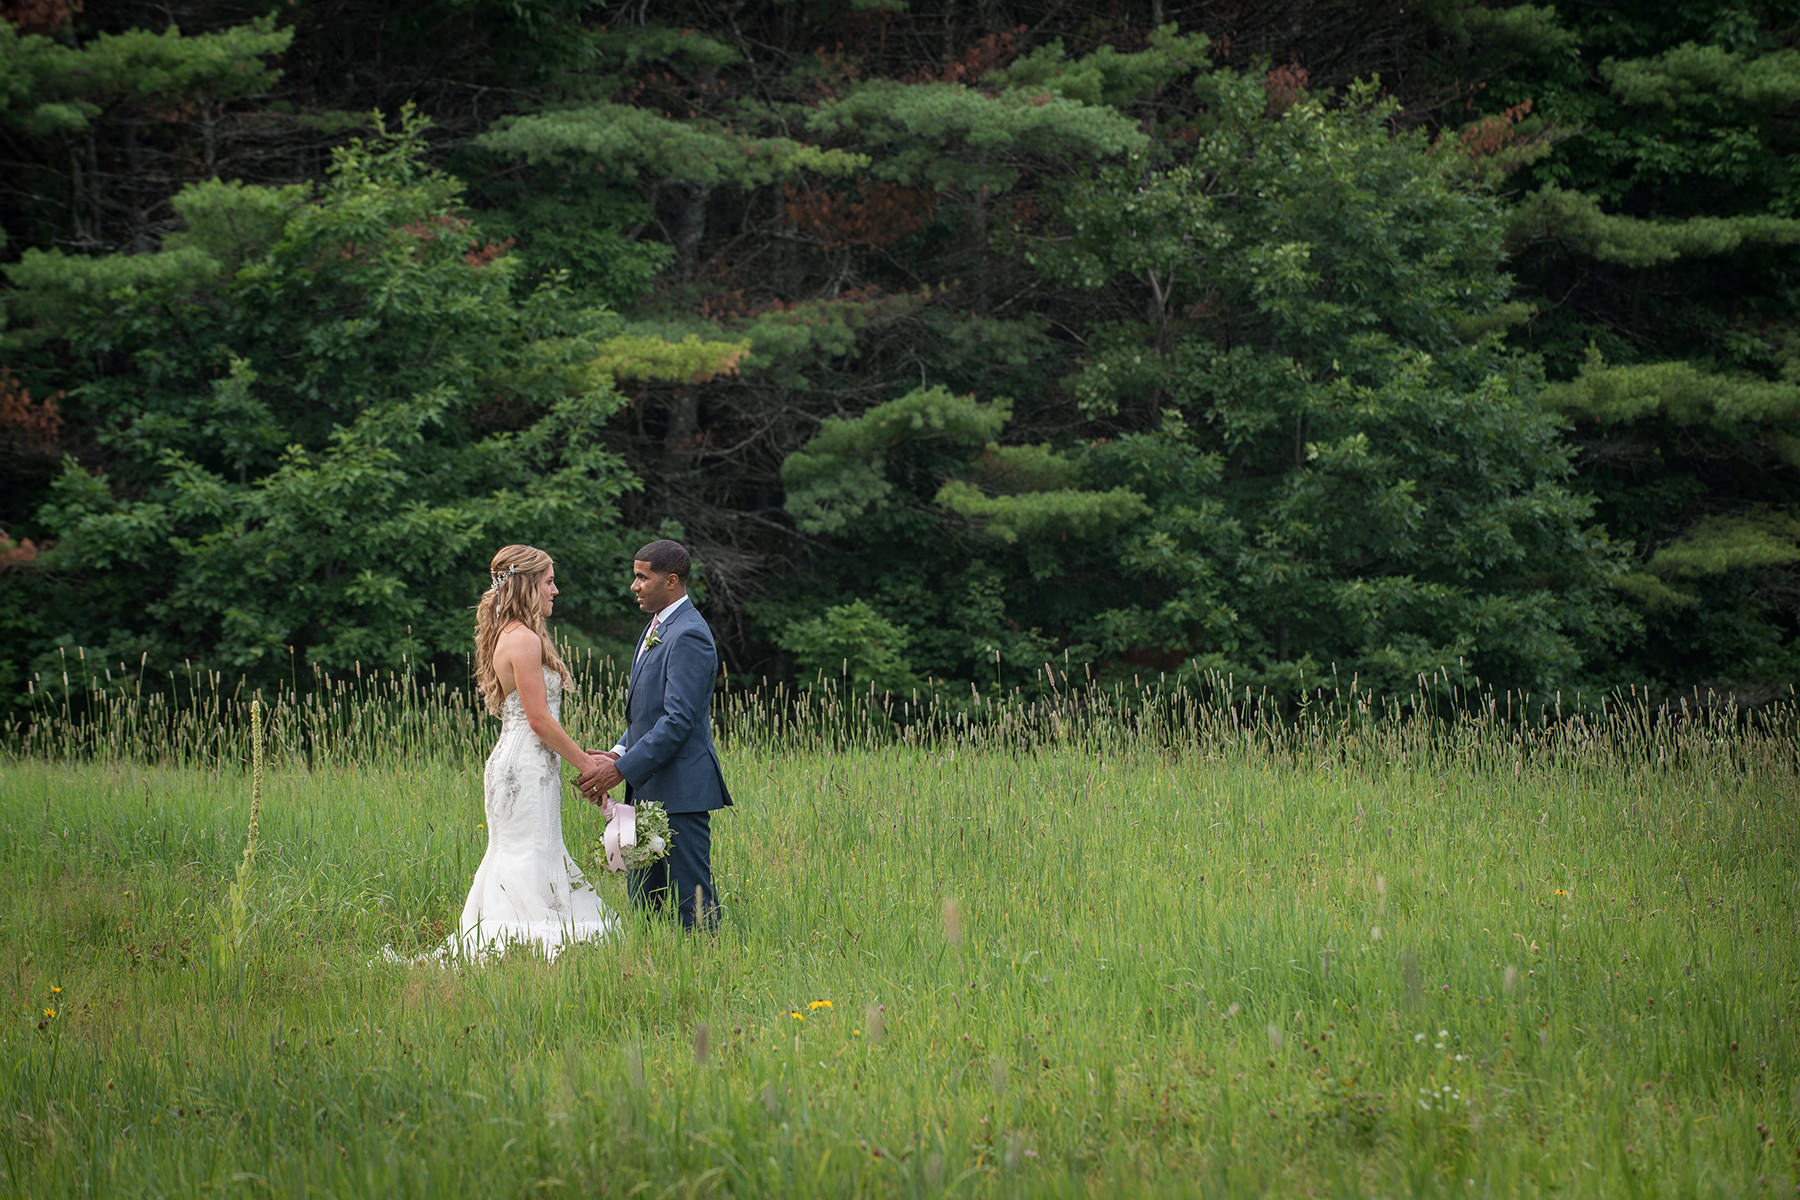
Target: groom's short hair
[{"x": 666, "y": 558}]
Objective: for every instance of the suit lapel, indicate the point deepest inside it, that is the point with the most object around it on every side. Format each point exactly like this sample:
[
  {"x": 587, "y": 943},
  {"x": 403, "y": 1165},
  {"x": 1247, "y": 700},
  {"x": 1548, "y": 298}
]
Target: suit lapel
[
  {"x": 637, "y": 662},
  {"x": 638, "y": 654}
]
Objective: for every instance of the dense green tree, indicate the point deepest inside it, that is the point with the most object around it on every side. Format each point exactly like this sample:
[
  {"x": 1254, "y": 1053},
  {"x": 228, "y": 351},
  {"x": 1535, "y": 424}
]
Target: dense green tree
[
  {"x": 945, "y": 334},
  {"x": 1324, "y": 454},
  {"x": 962, "y": 546},
  {"x": 97, "y": 136},
  {"x": 836, "y": 219},
  {"x": 320, "y": 415},
  {"x": 1658, "y": 235}
]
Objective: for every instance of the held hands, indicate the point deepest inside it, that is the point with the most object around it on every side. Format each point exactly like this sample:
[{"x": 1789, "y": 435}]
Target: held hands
[{"x": 601, "y": 777}]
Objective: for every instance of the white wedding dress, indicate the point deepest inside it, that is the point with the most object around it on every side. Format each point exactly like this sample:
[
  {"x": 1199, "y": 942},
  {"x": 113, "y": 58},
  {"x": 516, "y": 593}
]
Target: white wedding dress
[{"x": 527, "y": 888}]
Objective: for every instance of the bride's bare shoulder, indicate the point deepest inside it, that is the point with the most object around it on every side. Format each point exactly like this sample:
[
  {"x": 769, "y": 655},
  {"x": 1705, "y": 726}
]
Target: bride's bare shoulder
[
  {"x": 519, "y": 635},
  {"x": 517, "y": 643}
]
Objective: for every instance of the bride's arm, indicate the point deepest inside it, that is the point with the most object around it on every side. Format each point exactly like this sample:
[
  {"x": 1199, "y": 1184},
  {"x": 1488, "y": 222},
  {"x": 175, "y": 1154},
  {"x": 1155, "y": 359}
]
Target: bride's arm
[{"x": 523, "y": 649}]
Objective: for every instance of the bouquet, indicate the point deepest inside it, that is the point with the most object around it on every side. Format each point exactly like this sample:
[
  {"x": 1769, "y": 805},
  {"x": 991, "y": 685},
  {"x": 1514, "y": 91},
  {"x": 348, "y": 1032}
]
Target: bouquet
[{"x": 635, "y": 836}]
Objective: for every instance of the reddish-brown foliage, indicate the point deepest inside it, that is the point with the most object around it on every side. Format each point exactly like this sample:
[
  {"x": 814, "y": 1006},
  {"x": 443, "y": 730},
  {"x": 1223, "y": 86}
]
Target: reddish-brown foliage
[
  {"x": 28, "y": 428},
  {"x": 16, "y": 554},
  {"x": 836, "y": 73},
  {"x": 727, "y": 304},
  {"x": 1285, "y": 84},
  {"x": 879, "y": 18},
  {"x": 38, "y": 16},
  {"x": 877, "y": 214},
  {"x": 990, "y": 53},
  {"x": 1491, "y": 135},
  {"x": 435, "y": 226},
  {"x": 671, "y": 94},
  {"x": 485, "y": 253}
]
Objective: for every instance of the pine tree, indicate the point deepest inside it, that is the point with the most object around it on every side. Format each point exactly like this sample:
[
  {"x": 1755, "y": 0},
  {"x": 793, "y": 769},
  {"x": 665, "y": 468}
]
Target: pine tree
[{"x": 1658, "y": 238}]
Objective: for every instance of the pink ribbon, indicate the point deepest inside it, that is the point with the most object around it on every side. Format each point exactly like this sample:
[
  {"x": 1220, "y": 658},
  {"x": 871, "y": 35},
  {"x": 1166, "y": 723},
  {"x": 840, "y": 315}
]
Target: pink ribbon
[{"x": 621, "y": 831}]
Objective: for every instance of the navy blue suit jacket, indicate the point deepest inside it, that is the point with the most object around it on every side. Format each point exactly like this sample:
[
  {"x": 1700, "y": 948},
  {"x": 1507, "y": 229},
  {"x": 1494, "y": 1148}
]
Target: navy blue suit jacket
[{"x": 669, "y": 756}]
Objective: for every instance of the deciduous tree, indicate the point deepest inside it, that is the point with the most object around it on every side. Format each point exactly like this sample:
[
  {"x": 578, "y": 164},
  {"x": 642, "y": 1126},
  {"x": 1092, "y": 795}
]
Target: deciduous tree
[{"x": 320, "y": 414}]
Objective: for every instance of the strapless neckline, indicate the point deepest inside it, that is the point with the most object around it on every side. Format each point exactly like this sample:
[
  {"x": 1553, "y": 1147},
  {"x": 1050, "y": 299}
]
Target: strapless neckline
[{"x": 512, "y": 709}]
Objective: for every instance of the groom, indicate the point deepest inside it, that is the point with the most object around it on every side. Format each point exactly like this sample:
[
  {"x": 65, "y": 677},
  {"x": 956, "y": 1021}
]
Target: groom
[{"x": 667, "y": 754}]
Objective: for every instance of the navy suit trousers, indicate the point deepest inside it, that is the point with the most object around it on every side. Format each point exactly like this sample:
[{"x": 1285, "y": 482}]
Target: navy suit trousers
[{"x": 685, "y": 869}]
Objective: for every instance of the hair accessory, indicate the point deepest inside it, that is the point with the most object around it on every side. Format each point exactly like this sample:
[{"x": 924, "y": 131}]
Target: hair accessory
[{"x": 501, "y": 577}]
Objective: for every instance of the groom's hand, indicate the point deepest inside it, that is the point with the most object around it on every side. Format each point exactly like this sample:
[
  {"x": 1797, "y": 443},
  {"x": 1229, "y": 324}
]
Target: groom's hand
[
  {"x": 600, "y": 778},
  {"x": 586, "y": 781}
]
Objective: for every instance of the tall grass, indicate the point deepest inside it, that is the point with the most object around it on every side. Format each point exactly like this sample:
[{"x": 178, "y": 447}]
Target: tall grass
[
  {"x": 193, "y": 717},
  {"x": 1136, "y": 942}
]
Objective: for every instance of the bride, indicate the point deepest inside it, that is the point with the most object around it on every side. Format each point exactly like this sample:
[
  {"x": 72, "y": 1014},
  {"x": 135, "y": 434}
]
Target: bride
[{"x": 527, "y": 888}]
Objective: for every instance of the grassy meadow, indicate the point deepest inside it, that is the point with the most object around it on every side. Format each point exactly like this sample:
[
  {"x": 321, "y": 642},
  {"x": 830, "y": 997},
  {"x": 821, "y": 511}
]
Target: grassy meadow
[{"x": 1184, "y": 951}]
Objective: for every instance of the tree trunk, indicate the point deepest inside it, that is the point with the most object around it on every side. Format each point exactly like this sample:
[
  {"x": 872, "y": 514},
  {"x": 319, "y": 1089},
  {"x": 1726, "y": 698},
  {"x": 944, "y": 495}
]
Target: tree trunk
[{"x": 690, "y": 228}]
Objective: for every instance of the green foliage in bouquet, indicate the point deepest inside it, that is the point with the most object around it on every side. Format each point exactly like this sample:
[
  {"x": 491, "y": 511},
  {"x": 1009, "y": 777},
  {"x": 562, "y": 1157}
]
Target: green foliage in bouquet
[{"x": 653, "y": 839}]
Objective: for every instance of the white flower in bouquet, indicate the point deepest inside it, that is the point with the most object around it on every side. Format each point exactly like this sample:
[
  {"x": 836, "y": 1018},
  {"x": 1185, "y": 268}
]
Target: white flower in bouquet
[
  {"x": 652, "y": 841},
  {"x": 654, "y": 836}
]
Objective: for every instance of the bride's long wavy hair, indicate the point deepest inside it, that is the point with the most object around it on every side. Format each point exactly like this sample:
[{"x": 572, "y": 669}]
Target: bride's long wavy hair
[{"x": 512, "y": 596}]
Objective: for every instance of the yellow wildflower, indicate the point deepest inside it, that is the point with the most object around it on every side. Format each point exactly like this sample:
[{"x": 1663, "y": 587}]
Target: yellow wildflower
[
  {"x": 49, "y": 1013},
  {"x": 817, "y": 1004},
  {"x": 798, "y": 1016}
]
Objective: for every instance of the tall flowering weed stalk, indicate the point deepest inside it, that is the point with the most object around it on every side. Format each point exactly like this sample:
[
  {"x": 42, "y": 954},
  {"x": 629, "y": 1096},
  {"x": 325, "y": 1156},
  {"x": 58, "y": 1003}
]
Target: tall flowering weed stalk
[{"x": 234, "y": 921}]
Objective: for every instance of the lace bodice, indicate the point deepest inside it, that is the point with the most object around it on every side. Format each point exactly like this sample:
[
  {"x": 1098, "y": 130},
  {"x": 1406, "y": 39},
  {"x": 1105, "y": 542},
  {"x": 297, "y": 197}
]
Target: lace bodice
[{"x": 512, "y": 709}]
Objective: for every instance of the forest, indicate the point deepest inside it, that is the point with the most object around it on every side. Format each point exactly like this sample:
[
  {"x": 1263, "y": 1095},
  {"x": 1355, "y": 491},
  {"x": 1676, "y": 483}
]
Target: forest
[{"x": 969, "y": 344}]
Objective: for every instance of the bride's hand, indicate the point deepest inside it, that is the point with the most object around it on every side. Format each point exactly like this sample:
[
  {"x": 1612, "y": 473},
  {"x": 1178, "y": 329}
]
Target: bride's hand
[{"x": 587, "y": 781}]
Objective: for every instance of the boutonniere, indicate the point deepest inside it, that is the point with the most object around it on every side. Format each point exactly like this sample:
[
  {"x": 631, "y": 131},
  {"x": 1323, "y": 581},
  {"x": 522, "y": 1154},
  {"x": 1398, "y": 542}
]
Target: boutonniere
[{"x": 654, "y": 640}]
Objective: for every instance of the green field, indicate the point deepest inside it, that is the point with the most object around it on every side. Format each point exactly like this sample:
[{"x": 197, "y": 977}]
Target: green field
[{"x": 1186, "y": 954}]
